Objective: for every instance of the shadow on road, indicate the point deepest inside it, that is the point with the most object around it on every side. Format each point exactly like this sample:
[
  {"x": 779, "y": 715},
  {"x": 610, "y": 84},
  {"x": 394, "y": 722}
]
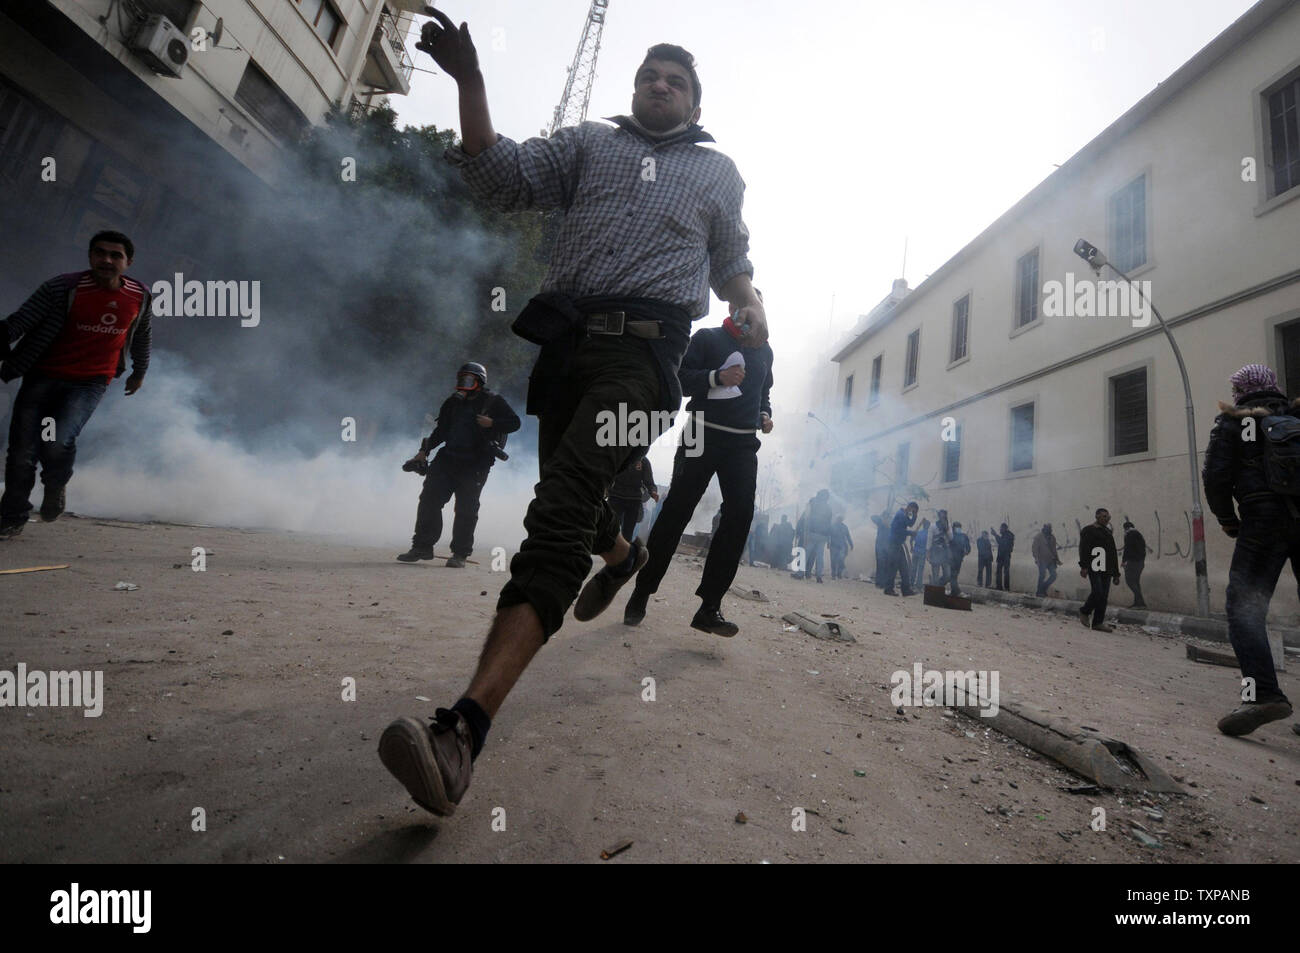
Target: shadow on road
[{"x": 392, "y": 847}]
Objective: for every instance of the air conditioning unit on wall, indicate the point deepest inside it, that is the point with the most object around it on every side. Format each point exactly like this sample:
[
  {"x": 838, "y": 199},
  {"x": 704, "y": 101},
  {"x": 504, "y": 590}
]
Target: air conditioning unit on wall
[{"x": 162, "y": 45}]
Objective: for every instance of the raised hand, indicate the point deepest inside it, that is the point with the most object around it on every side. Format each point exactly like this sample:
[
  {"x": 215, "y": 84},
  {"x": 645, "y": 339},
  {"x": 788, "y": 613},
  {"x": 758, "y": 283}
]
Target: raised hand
[{"x": 451, "y": 48}]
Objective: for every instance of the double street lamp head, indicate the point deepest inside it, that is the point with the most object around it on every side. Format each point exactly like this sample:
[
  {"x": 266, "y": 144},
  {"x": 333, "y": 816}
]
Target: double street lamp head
[{"x": 1091, "y": 254}]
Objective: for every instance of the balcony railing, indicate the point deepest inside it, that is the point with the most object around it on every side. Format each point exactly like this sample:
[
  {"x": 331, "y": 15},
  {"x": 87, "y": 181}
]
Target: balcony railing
[{"x": 392, "y": 35}]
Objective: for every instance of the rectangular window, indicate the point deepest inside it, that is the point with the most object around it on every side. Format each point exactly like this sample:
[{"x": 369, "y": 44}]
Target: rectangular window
[
  {"x": 325, "y": 20},
  {"x": 268, "y": 105},
  {"x": 1290, "y": 348},
  {"x": 1127, "y": 213},
  {"x": 1284, "y": 135},
  {"x": 960, "y": 328},
  {"x": 913, "y": 358},
  {"x": 952, "y": 457},
  {"x": 877, "y": 367},
  {"x": 1022, "y": 438},
  {"x": 848, "y": 396},
  {"x": 902, "y": 463},
  {"x": 1128, "y": 401},
  {"x": 1027, "y": 289}
]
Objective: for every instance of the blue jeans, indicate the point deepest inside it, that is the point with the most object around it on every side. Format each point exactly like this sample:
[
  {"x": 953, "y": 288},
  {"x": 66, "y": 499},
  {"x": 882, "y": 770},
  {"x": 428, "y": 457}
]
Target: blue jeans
[
  {"x": 1269, "y": 536},
  {"x": 1048, "y": 570},
  {"x": 69, "y": 404}
]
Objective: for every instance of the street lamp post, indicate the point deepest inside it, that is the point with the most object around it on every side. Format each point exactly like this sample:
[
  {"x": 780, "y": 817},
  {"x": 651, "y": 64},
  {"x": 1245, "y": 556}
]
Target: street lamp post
[{"x": 1093, "y": 256}]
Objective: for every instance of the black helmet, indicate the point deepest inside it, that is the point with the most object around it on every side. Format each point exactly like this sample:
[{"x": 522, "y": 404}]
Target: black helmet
[{"x": 471, "y": 369}]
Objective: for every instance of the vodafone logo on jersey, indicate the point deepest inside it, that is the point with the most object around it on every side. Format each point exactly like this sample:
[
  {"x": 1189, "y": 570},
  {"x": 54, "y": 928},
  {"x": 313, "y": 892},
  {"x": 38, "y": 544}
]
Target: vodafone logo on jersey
[{"x": 108, "y": 318}]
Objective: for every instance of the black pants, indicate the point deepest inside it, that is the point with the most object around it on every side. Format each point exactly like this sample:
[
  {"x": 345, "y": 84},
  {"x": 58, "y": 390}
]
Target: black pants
[
  {"x": 984, "y": 572},
  {"x": 1133, "y": 579},
  {"x": 448, "y": 477},
  {"x": 956, "y": 571},
  {"x": 734, "y": 458},
  {"x": 69, "y": 405},
  {"x": 629, "y": 514},
  {"x": 1096, "y": 603},
  {"x": 838, "y": 558},
  {"x": 1266, "y": 541},
  {"x": 1003, "y": 577},
  {"x": 569, "y": 517},
  {"x": 900, "y": 567}
]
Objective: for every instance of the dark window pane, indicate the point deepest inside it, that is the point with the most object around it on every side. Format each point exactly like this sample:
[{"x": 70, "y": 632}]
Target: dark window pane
[
  {"x": 960, "y": 328},
  {"x": 1284, "y": 136},
  {"x": 1027, "y": 289},
  {"x": 877, "y": 367},
  {"x": 1129, "y": 406},
  {"x": 1128, "y": 222},
  {"x": 952, "y": 458},
  {"x": 913, "y": 357},
  {"x": 270, "y": 107},
  {"x": 1022, "y": 437}
]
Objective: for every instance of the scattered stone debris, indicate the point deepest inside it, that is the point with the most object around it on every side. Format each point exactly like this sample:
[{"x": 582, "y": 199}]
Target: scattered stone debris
[
  {"x": 741, "y": 818},
  {"x": 227, "y": 631},
  {"x": 125, "y": 587},
  {"x": 1083, "y": 789},
  {"x": 1145, "y": 839}
]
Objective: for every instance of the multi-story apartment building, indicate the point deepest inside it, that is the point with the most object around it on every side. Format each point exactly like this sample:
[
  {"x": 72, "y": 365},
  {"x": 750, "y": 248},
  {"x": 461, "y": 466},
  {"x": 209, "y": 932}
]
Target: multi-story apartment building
[
  {"x": 142, "y": 114},
  {"x": 998, "y": 387}
]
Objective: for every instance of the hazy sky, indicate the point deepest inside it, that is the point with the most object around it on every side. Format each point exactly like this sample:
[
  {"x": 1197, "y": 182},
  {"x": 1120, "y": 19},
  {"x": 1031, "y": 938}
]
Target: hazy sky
[{"x": 855, "y": 124}]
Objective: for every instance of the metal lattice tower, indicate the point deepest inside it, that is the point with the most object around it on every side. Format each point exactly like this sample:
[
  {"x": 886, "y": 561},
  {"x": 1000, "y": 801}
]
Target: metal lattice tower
[{"x": 582, "y": 74}]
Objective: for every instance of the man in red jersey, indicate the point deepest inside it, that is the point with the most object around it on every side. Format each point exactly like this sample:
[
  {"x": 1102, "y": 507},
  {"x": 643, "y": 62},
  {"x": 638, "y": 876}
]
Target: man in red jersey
[{"x": 67, "y": 342}]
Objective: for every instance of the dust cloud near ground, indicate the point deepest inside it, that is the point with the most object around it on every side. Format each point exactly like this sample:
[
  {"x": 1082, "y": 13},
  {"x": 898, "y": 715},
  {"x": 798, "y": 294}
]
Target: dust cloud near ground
[{"x": 224, "y": 693}]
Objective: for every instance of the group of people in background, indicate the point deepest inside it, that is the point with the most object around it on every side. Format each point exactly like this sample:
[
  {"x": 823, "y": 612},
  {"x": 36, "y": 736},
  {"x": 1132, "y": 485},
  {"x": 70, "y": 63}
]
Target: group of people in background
[{"x": 816, "y": 532}]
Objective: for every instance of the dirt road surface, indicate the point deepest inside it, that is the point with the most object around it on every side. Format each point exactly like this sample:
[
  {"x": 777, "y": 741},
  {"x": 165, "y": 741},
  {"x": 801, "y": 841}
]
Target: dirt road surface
[{"x": 224, "y": 690}]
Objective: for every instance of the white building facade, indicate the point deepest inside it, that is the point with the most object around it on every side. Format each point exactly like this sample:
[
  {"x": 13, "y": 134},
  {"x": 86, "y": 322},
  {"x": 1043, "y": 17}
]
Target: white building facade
[{"x": 1013, "y": 386}]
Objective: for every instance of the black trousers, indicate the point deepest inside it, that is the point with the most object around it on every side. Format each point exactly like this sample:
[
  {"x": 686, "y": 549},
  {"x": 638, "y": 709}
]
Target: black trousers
[
  {"x": 984, "y": 572},
  {"x": 1133, "y": 579},
  {"x": 734, "y": 458},
  {"x": 569, "y": 517},
  {"x": 1003, "y": 576},
  {"x": 628, "y": 513},
  {"x": 1096, "y": 603},
  {"x": 898, "y": 566},
  {"x": 445, "y": 479}
]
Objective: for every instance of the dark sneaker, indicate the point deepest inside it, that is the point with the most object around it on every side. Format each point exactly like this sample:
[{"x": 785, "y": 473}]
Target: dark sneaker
[
  {"x": 601, "y": 588},
  {"x": 711, "y": 620},
  {"x": 1085, "y": 617},
  {"x": 1103, "y": 627},
  {"x": 1251, "y": 715},
  {"x": 10, "y": 530},
  {"x": 888, "y": 592},
  {"x": 415, "y": 553},
  {"x": 455, "y": 563},
  {"x": 432, "y": 761},
  {"x": 635, "y": 610},
  {"x": 56, "y": 498}
]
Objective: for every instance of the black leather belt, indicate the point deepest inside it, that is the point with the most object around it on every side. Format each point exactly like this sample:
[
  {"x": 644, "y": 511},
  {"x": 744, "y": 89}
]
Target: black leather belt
[{"x": 616, "y": 322}]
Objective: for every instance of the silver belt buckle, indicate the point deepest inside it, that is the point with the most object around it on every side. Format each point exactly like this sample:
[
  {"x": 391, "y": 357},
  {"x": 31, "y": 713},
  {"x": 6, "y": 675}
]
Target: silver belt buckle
[{"x": 608, "y": 322}]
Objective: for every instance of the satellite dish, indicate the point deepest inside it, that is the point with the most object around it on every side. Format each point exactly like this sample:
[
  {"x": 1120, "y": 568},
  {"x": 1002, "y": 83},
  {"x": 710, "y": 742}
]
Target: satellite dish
[{"x": 215, "y": 35}]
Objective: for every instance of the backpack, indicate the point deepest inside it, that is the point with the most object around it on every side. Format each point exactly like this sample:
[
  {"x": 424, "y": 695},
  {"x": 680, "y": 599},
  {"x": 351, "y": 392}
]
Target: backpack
[{"x": 1282, "y": 453}]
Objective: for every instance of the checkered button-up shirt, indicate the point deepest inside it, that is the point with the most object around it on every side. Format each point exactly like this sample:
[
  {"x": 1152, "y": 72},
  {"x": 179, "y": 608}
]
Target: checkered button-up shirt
[{"x": 643, "y": 219}]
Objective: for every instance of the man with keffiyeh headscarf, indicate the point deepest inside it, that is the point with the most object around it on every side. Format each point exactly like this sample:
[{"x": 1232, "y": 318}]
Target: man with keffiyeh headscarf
[{"x": 1266, "y": 526}]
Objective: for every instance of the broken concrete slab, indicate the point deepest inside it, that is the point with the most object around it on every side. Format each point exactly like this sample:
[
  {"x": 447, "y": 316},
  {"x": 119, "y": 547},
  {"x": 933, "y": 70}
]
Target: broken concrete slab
[
  {"x": 817, "y": 628},
  {"x": 1211, "y": 657},
  {"x": 753, "y": 595},
  {"x": 938, "y": 596},
  {"x": 1110, "y": 763}
]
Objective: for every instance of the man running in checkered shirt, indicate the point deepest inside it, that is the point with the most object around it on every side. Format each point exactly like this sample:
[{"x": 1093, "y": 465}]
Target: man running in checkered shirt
[{"x": 652, "y": 220}]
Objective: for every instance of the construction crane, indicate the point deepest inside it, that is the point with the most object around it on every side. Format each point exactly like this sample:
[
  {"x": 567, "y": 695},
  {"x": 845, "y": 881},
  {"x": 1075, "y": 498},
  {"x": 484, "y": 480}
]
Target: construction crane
[{"x": 582, "y": 74}]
